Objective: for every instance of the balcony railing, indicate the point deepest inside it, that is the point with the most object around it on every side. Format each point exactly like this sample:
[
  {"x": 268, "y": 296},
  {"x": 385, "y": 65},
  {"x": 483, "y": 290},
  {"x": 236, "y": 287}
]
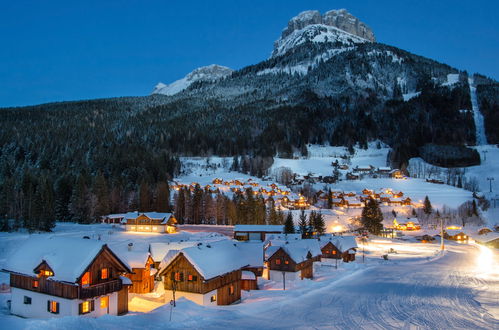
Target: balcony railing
[{"x": 100, "y": 289}]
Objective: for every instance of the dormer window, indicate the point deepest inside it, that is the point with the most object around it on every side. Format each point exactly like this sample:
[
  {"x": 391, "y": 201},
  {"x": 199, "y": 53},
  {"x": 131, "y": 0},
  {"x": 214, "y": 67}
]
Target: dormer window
[
  {"x": 85, "y": 279},
  {"x": 46, "y": 273}
]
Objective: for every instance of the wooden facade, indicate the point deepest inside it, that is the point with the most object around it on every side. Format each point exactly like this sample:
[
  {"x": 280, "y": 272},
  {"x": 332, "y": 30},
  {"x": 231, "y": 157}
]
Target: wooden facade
[
  {"x": 142, "y": 280},
  {"x": 97, "y": 284},
  {"x": 330, "y": 251},
  {"x": 181, "y": 275},
  {"x": 281, "y": 261}
]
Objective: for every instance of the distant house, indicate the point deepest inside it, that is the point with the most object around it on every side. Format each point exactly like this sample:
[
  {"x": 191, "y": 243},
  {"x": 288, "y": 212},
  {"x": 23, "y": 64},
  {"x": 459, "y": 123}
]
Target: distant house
[
  {"x": 294, "y": 259},
  {"x": 406, "y": 224},
  {"x": 384, "y": 171},
  {"x": 455, "y": 235},
  {"x": 484, "y": 230},
  {"x": 364, "y": 168},
  {"x": 113, "y": 218},
  {"x": 490, "y": 239},
  {"x": 57, "y": 277},
  {"x": 351, "y": 176},
  {"x": 153, "y": 222},
  {"x": 143, "y": 271},
  {"x": 397, "y": 174},
  {"x": 208, "y": 274},
  {"x": 256, "y": 232},
  {"x": 338, "y": 247}
]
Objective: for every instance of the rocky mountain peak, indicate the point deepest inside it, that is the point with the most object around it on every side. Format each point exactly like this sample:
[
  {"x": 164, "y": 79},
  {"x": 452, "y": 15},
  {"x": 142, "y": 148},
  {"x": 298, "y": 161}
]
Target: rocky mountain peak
[{"x": 340, "y": 19}]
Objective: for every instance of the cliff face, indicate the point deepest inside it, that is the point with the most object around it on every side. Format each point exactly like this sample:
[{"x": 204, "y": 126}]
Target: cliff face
[{"x": 340, "y": 19}]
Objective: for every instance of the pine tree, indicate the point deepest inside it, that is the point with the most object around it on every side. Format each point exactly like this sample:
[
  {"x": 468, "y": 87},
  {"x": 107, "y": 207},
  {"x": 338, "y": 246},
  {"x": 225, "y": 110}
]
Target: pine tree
[
  {"x": 319, "y": 224},
  {"x": 101, "y": 192},
  {"x": 329, "y": 199},
  {"x": 144, "y": 197},
  {"x": 310, "y": 225},
  {"x": 302, "y": 224},
  {"x": 162, "y": 201},
  {"x": 372, "y": 217},
  {"x": 289, "y": 226},
  {"x": 474, "y": 210},
  {"x": 427, "y": 208},
  {"x": 63, "y": 191},
  {"x": 80, "y": 201}
]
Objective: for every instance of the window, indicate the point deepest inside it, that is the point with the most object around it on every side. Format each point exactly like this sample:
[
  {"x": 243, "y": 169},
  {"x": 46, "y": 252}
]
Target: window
[
  {"x": 155, "y": 228},
  {"x": 334, "y": 252},
  {"x": 213, "y": 298},
  {"x": 231, "y": 290},
  {"x": 147, "y": 228},
  {"x": 104, "y": 302},
  {"x": 87, "y": 306},
  {"x": 27, "y": 300},
  {"x": 85, "y": 280},
  {"x": 133, "y": 228},
  {"x": 46, "y": 273},
  {"x": 286, "y": 262},
  {"x": 179, "y": 277},
  {"x": 278, "y": 261},
  {"x": 104, "y": 274},
  {"x": 35, "y": 283},
  {"x": 53, "y": 306},
  {"x": 327, "y": 251}
]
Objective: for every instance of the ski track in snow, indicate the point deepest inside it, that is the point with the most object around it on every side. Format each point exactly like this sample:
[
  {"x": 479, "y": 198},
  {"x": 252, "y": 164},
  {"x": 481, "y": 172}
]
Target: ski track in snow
[{"x": 481, "y": 139}]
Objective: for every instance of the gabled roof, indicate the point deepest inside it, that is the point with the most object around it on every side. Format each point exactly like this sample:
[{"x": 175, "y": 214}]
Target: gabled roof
[
  {"x": 150, "y": 215},
  {"x": 454, "y": 232},
  {"x": 260, "y": 228},
  {"x": 67, "y": 257},
  {"x": 342, "y": 243},
  {"x": 135, "y": 259},
  {"x": 298, "y": 250},
  {"x": 488, "y": 237},
  {"x": 159, "y": 250},
  {"x": 213, "y": 259}
]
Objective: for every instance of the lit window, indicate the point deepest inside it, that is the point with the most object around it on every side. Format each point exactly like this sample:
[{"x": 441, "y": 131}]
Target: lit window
[
  {"x": 213, "y": 298},
  {"x": 46, "y": 273},
  {"x": 278, "y": 261},
  {"x": 104, "y": 274},
  {"x": 85, "y": 307},
  {"x": 53, "y": 306},
  {"x": 85, "y": 280},
  {"x": 141, "y": 228},
  {"x": 231, "y": 290},
  {"x": 133, "y": 228},
  {"x": 35, "y": 283},
  {"x": 147, "y": 228},
  {"x": 179, "y": 277},
  {"x": 286, "y": 262},
  {"x": 189, "y": 278},
  {"x": 327, "y": 251},
  {"x": 334, "y": 252},
  {"x": 154, "y": 228},
  {"x": 104, "y": 302}
]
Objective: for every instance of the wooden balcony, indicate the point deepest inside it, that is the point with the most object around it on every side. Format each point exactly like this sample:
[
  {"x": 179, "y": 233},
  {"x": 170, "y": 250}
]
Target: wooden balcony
[{"x": 100, "y": 289}]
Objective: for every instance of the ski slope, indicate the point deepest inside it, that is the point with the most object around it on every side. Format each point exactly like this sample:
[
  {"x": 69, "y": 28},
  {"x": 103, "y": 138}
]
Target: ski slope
[{"x": 481, "y": 139}]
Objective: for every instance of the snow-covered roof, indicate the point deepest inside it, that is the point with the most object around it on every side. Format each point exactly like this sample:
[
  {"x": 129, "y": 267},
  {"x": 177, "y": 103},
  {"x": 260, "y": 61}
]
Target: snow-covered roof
[
  {"x": 150, "y": 215},
  {"x": 135, "y": 259},
  {"x": 297, "y": 249},
  {"x": 247, "y": 275},
  {"x": 67, "y": 257},
  {"x": 282, "y": 237},
  {"x": 114, "y": 216},
  {"x": 159, "y": 250},
  {"x": 259, "y": 228},
  {"x": 125, "y": 280},
  {"x": 384, "y": 168},
  {"x": 251, "y": 252},
  {"x": 214, "y": 259},
  {"x": 342, "y": 243},
  {"x": 454, "y": 232},
  {"x": 485, "y": 238}
]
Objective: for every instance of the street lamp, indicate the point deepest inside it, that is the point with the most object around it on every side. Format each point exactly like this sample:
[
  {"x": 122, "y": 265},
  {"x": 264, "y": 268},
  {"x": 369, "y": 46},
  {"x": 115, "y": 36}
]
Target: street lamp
[{"x": 490, "y": 183}]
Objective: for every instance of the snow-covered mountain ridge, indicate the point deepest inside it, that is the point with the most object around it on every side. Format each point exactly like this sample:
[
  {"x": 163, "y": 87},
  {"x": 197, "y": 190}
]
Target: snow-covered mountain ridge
[{"x": 206, "y": 73}]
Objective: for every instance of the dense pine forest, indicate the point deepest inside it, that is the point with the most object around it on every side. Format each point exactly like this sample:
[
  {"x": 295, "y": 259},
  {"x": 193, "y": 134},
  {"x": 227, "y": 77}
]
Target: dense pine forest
[{"x": 75, "y": 161}]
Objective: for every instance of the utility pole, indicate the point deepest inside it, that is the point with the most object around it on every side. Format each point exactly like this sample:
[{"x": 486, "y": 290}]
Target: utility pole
[
  {"x": 442, "y": 247},
  {"x": 284, "y": 281},
  {"x": 485, "y": 155},
  {"x": 490, "y": 183}
]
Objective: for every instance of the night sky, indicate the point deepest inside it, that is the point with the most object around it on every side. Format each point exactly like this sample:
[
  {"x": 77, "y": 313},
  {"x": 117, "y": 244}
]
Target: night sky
[{"x": 60, "y": 50}]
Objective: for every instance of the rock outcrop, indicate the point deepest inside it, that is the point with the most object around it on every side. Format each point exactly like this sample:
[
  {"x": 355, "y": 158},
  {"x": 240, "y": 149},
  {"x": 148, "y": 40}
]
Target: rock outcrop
[{"x": 340, "y": 19}]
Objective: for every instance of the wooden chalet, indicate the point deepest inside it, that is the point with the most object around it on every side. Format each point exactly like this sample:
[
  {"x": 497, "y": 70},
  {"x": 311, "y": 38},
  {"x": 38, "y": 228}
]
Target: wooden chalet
[
  {"x": 490, "y": 239},
  {"x": 153, "y": 222},
  {"x": 406, "y": 224},
  {"x": 143, "y": 271},
  {"x": 351, "y": 176},
  {"x": 484, "y": 231},
  {"x": 113, "y": 218},
  {"x": 159, "y": 250},
  {"x": 455, "y": 235},
  {"x": 58, "y": 276},
  {"x": 208, "y": 274},
  {"x": 294, "y": 259},
  {"x": 397, "y": 174},
  {"x": 256, "y": 232},
  {"x": 338, "y": 247}
]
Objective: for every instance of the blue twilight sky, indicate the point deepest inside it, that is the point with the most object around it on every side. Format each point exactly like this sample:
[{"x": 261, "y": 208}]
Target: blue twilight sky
[{"x": 70, "y": 50}]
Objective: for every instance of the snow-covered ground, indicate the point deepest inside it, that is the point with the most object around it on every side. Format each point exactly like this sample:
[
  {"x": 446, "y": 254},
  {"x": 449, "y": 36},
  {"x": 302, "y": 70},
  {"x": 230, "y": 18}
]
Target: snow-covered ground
[{"x": 418, "y": 287}]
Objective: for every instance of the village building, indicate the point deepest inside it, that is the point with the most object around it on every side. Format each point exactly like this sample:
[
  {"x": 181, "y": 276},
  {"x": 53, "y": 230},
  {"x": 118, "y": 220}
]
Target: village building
[
  {"x": 406, "y": 224},
  {"x": 159, "y": 250},
  {"x": 397, "y": 174},
  {"x": 113, "y": 218},
  {"x": 338, "y": 247},
  {"x": 207, "y": 274},
  {"x": 252, "y": 253},
  {"x": 490, "y": 239},
  {"x": 58, "y": 276},
  {"x": 143, "y": 271},
  {"x": 256, "y": 232},
  {"x": 291, "y": 260},
  {"x": 153, "y": 222},
  {"x": 455, "y": 235},
  {"x": 484, "y": 230}
]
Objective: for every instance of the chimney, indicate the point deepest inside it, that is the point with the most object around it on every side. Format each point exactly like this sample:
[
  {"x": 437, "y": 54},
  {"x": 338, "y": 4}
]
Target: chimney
[{"x": 130, "y": 245}]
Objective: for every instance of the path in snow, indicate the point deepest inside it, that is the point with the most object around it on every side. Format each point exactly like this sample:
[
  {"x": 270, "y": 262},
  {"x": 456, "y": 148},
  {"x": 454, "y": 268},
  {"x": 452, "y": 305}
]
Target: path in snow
[{"x": 481, "y": 139}]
